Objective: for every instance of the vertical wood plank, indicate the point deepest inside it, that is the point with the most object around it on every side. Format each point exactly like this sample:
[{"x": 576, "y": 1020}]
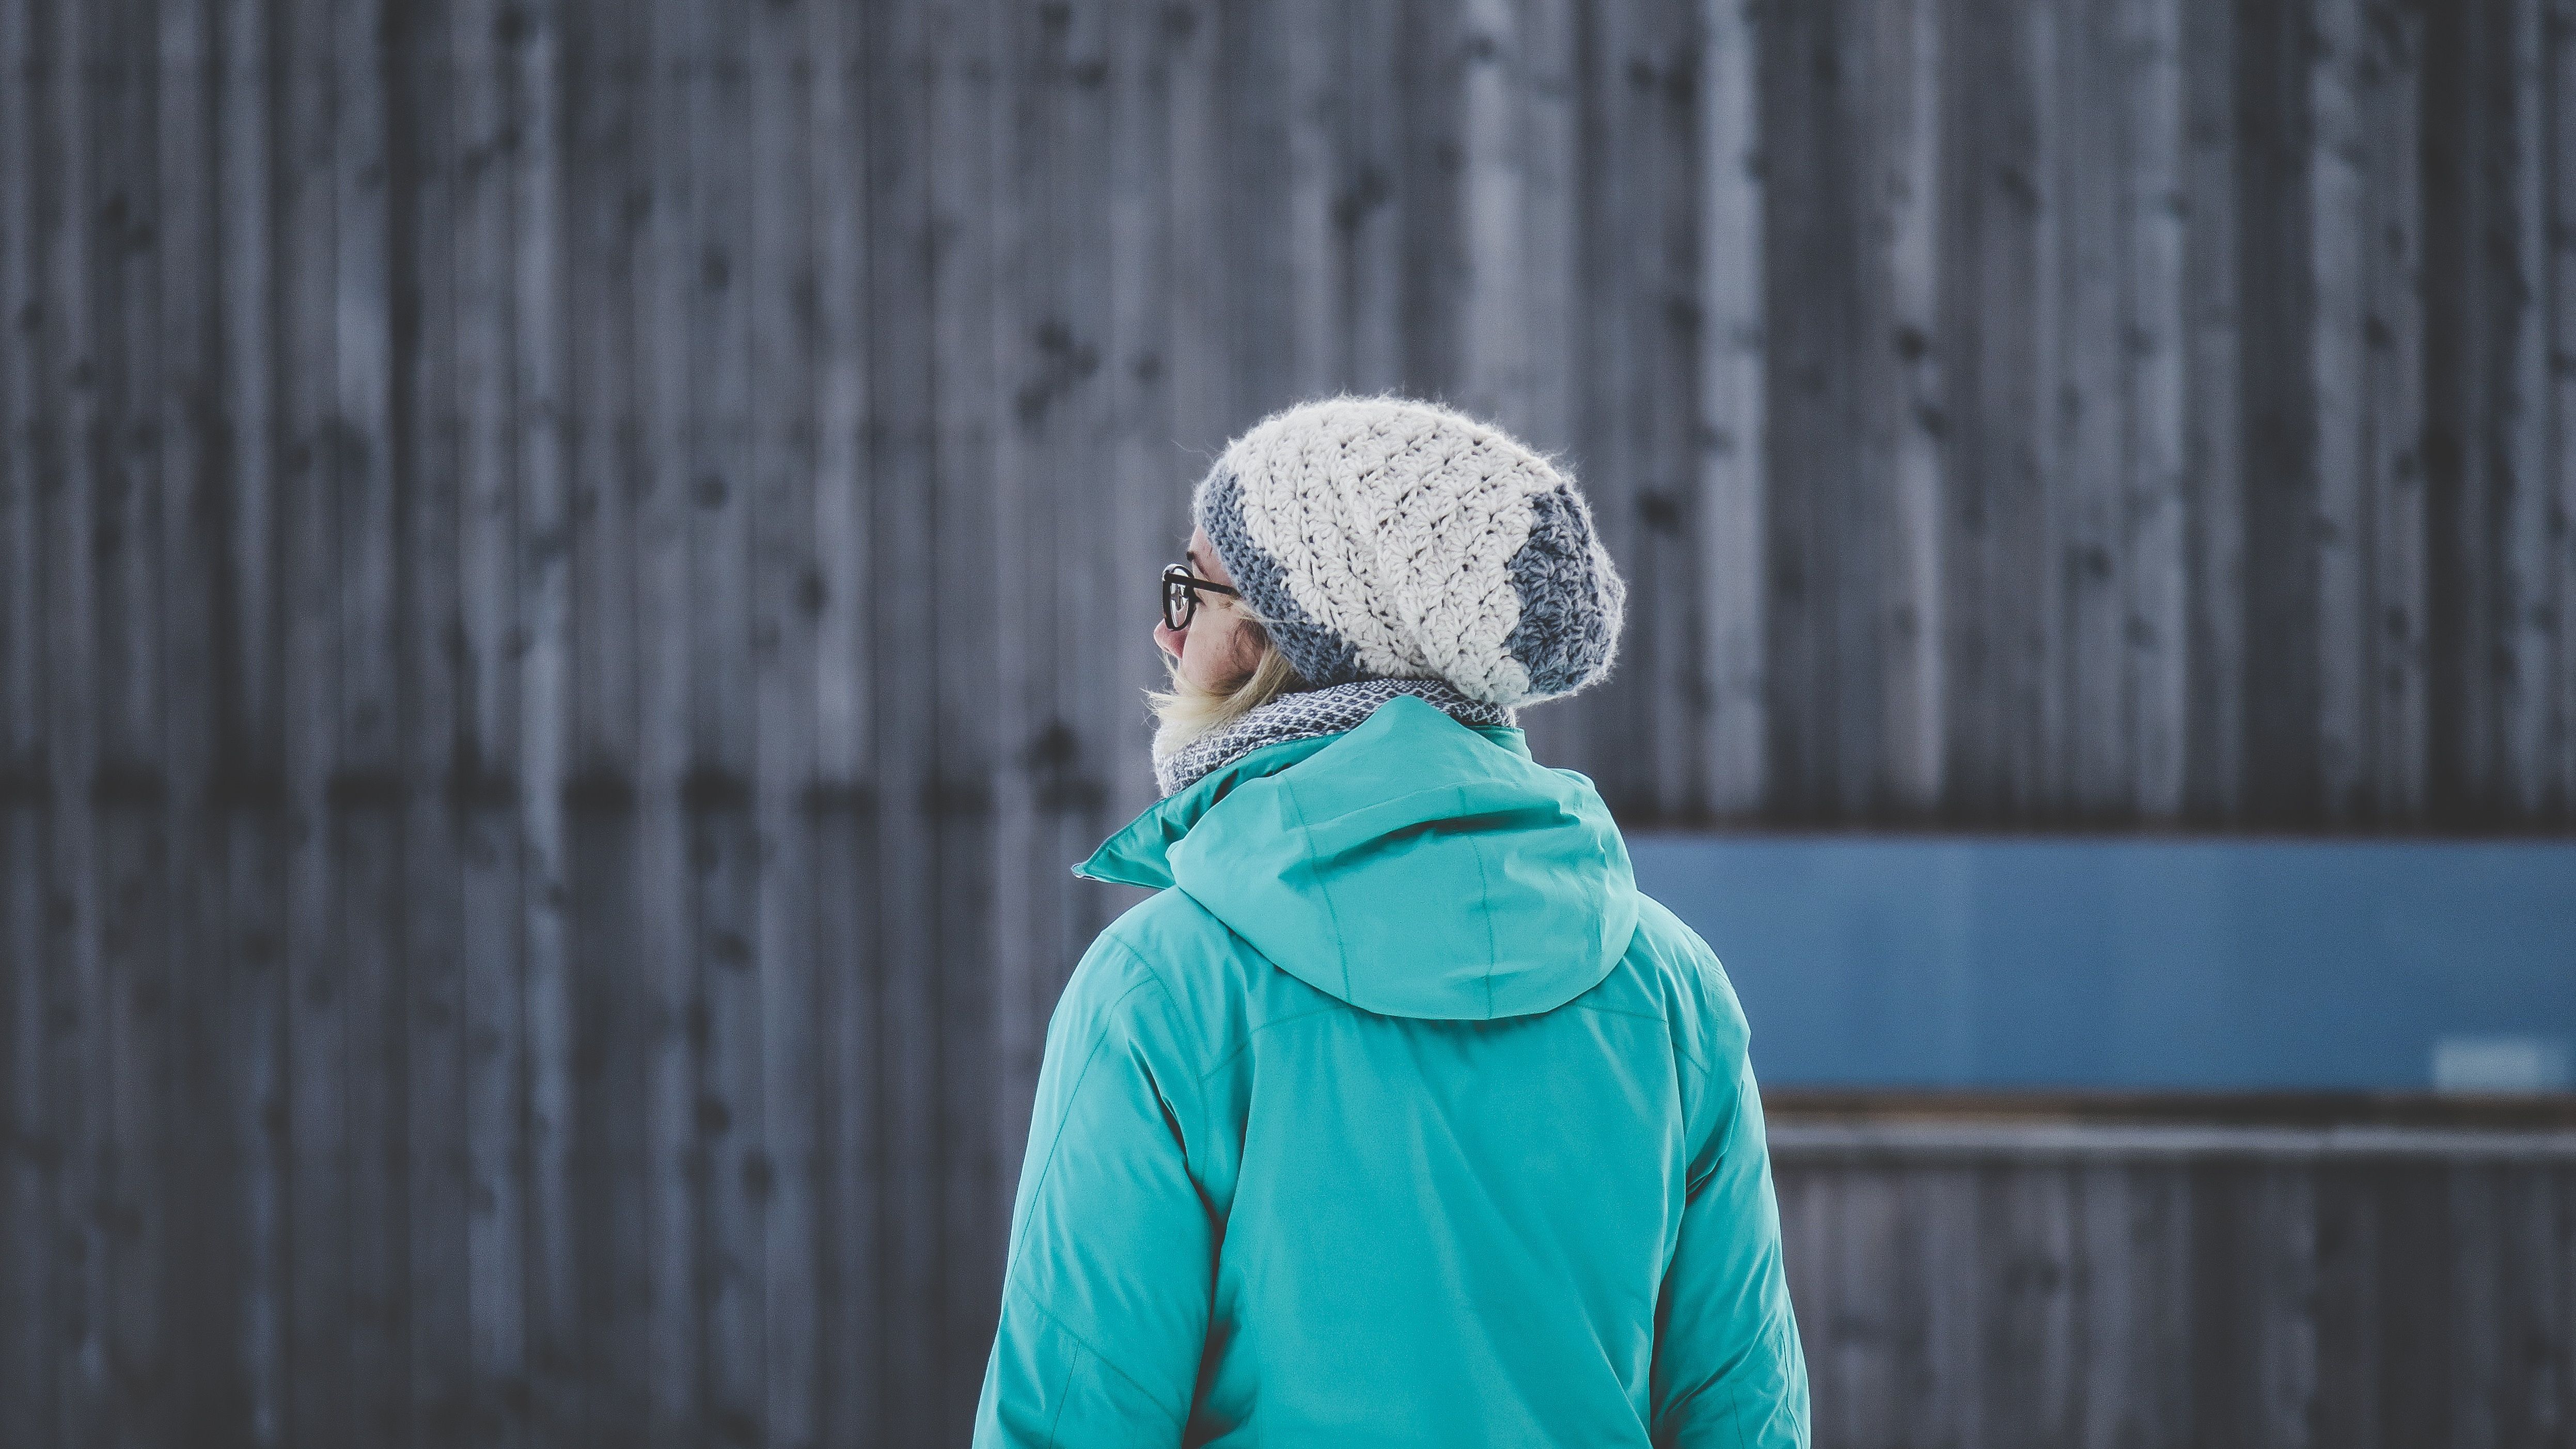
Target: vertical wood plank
[
  {"x": 129, "y": 796},
  {"x": 1617, "y": 129},
  {"x": 2559, "y": 75},
  {"x": 778, "y": 1173},
  {"x": 1319, "y": 101},
  {"x": 1494, "y": 344},
  {"x": 364, "y": 794},
  {"x": 732, "y": 1122},
  {"x": 2352, "y": 1301},
  {"x": 604, "y": 100},
  {"x": 666, "y": 267},
  {"x": 965, "y": 396},
  {"x": 530, "y": 37},
  {"x": 1732, "y": 441},
  {"x": 2213, "y": 535},
  {"x": 1548, "y": 109},
  {"x": 1872, "y": 1314},
  {"x": 2393, "y": 329},
  {"x": 2480, "y": 1339},
  {"x": 2532, "y": 1392},
  {"x": 1808, "y": 1251},
  {"x": 1368, "y": 207},
  {"x": 842, "y": 798},
  {"x": 2526, "y": 601},
  {"x": 2090, "y": 416},
  {"x": 1676, "y": 772},
  {"x": 903, "y": 83},
  {"x": 2283, "y": 1258},
  {"x": 421, "y": 163},
  {"x": 79, "y": 1091},
  {"x": 1945, "y": 1287},
  {"x": 2338, "y": 376},
  {"x": 2285, "y": 545},
  {"x": 2460, "y": 643},
  {"x": 322, "y": 1358},
  {"x": 1035, "y": 236},
  {"x": 2155, "y": 222},
  {"x": 486, "y": 783},
  {"x": 1795, "y": 231},
  {"x": 27, "y": 1261},
  {"x": 2027, "y": 1223},
  {"x": 1152, "y": 475},
  {"x": 249, "y": 788},
  {"x": 1907, "y": 416}
]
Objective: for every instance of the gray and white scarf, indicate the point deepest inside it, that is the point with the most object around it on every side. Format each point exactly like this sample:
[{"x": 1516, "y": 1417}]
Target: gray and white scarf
[{"x": 1305, "y": 713}]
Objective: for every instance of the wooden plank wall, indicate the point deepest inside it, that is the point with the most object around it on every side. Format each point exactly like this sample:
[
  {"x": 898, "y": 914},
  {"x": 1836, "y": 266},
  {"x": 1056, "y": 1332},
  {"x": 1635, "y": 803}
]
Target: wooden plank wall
[
  {"x": 2018, "y": 1285},
  {"x": 572, "y": 574}
]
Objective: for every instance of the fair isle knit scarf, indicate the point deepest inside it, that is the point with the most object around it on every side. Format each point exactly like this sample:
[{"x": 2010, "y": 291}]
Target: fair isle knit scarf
[{"x": 1305, "y": 713}]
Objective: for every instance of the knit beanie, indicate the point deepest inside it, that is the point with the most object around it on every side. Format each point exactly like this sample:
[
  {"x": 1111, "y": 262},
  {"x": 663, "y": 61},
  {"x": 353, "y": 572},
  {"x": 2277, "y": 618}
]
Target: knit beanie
[{"x": 1389, "y": 538}]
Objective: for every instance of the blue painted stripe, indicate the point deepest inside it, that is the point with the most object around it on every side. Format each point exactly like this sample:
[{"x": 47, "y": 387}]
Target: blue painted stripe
[{"x": 2197, "y": 964}]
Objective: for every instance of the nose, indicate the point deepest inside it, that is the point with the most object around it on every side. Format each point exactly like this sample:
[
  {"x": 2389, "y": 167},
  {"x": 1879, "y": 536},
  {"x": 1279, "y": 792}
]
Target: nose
[{"x": 1168, "y": 639}]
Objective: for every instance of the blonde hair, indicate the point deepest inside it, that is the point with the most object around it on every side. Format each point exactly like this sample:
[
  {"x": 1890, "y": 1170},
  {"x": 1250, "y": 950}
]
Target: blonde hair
[{"x": 1190, "y": 709}]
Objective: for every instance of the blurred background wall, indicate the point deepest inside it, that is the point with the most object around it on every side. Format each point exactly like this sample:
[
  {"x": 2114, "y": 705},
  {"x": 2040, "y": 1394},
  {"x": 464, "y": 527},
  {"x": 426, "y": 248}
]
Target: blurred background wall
[{"x": 573, "y": 575}]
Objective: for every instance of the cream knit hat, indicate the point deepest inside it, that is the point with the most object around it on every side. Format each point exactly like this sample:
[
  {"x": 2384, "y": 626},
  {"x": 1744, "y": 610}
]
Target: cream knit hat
[{"x": 1389, "y": 538}]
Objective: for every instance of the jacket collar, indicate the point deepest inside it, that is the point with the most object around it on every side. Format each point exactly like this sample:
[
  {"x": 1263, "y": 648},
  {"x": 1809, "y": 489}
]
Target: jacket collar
[{"x": 1138, "y": 854}]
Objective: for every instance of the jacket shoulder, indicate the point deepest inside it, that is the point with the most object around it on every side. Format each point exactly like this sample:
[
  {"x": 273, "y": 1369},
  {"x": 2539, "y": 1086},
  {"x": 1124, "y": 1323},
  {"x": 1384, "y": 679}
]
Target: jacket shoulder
[
  {"x": 1690, "y": 987},
  {"x": 1214, "y": 987}
]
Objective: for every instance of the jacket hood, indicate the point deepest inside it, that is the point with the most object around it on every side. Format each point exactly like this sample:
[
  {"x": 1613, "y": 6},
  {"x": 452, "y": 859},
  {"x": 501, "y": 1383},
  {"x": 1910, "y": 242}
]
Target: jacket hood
[{"x": 1411, "y": 866}]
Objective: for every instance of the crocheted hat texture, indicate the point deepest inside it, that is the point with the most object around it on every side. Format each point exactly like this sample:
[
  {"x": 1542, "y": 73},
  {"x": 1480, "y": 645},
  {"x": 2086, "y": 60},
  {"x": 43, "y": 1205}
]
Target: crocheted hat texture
[{"x": 1390, "y": 538}]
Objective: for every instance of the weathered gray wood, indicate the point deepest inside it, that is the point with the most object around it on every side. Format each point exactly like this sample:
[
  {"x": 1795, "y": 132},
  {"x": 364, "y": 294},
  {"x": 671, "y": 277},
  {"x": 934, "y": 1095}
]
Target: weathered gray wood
[
  {"x": 530, "y": 38},
  {"x": 485, "y": 776},
  {"x": 778, "y": 1173},
  {"x": 249, "y": 866},
  {"x": 840, "y": 800},
  {"x": 2352, "y": 1300},
  {"x": 2559, "y": 66},
  {"x": 604, "y": 101},
  {"x": 2339, "y": 367},
  {"x": 2156, "y": 222},
  {"x": 1869, "y": 1315},
  {"x": 1907, "y": 424},
  {"x": 2526, "y": 598},
  {"x": 2480, "y": 1339},
  {"x": 2214, "y": 458},
  {"x": 139, "y": 916},
  {"x": 666, "y": 269},
  {"x": 421, "y": 165},
  {"x": 1729, "y": 432},
  {"x": 363, "y": 794},
  {"x": 967, "y": 397},
  {"x": 322, "y": 1386},
  {"x": 2393, "y": 332},
  {"x": 204, "y": 1244},
  {"x": 2086, "y": 290},
  {"x": 28, "y": 1354},
  {"x": 905, "y": 75}
]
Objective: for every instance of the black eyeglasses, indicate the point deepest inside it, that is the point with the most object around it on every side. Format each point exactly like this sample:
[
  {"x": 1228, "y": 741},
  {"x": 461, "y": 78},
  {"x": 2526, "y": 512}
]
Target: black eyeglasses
[{"x": 1181, "y": 595}]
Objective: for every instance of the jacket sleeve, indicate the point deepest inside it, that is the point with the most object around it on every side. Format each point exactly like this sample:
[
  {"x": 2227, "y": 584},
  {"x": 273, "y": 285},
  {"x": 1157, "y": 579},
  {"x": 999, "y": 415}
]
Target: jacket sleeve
[
  {"x": 1111, "y": 1264},
  {"x": 1728, "y": 1369}
]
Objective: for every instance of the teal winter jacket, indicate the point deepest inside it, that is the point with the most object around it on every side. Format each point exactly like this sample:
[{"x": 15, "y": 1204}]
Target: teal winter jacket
[{"x": 1396, "y": 1117}]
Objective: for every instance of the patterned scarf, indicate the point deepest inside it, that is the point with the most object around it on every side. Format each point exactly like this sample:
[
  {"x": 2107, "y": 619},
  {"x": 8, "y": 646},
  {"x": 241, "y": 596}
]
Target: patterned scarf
[{"x": 1305, "y": 713}]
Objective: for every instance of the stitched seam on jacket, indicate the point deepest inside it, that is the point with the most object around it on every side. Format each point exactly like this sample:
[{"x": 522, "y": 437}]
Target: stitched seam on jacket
[
  {"x": 1679, "y": 1050},
  {"x": 1239, "y": 1047},
  {"x": 1289, "y": 798},
  {"x": 1064, "y": 1385},
  {"x": 1056, "y": 1143},
  {"x": 1484, "y": 888},
  {"x": 1093, "y": 1349},
  {"x": 1198, "y": 1080}
]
